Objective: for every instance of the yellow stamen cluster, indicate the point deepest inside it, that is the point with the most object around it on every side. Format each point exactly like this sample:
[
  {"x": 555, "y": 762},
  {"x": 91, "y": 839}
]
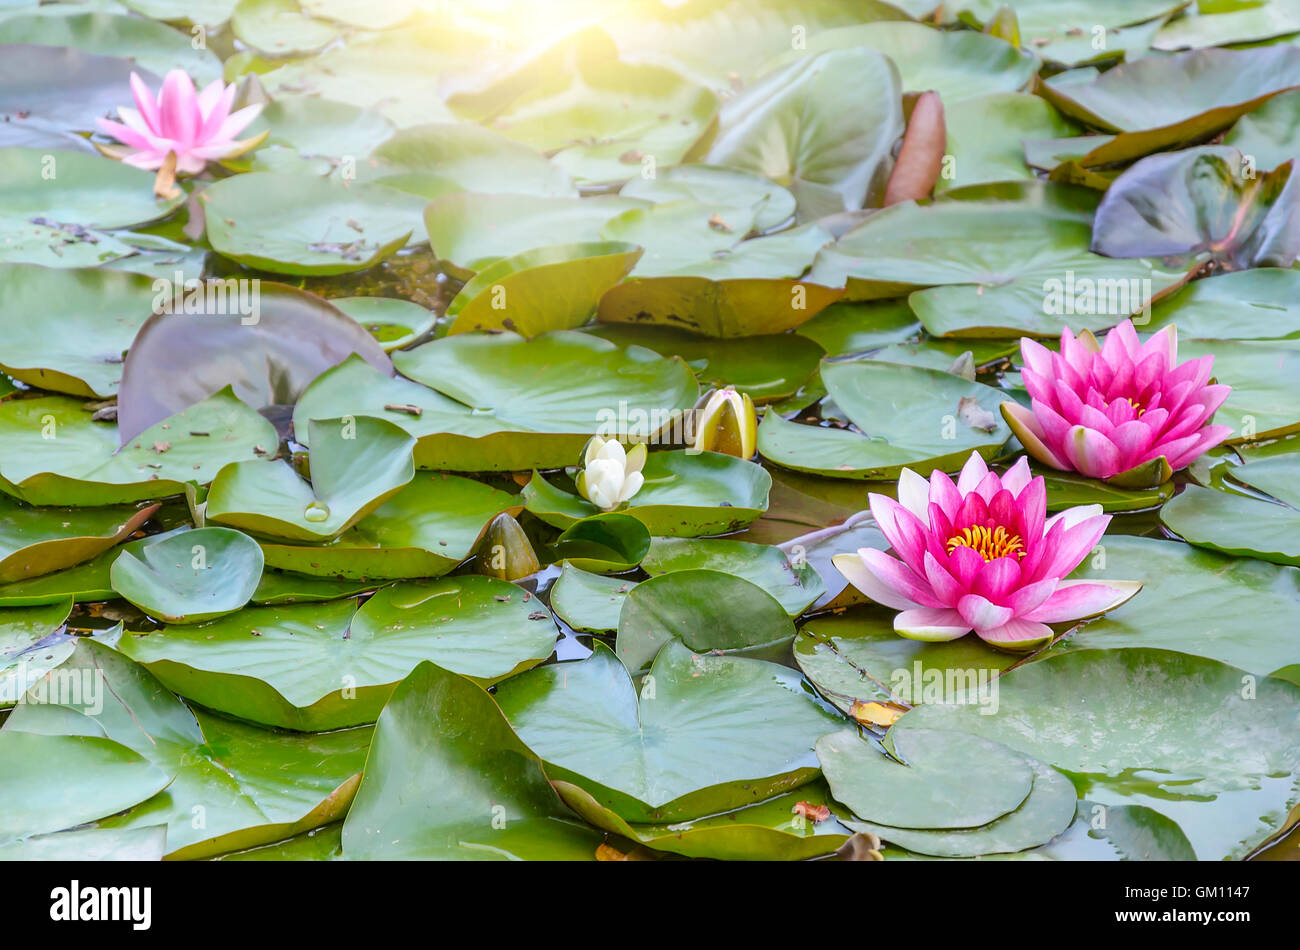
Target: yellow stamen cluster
[
  {"x": 988, "y": 543},
  {"x": 1137, "y": 406}
]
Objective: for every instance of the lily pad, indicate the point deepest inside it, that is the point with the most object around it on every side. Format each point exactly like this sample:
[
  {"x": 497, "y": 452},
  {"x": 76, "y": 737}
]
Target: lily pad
[
  {"x": 765, "y": 367},
  {"x": 279, "y": 28},
  {"x": 32, "y": 642},
  {"x": 1049, "y": 810},
  {"x": 549, "y": 288},
  {"x": 1164, "y": 102},
  {"x": 427, "y": 528},
  {"x": 356, "y": 465},
  {"x": 296, "y": 224},
  {"x": 97, "y": 312},
  {"x": 535, "y": 403},
  {"x": 329, "y": 665},
  {"x": 907, "y": 416},
  {"x": 54, "y": 453},
  {"x": 266, "y": 341},
  {"x": 90, "y": 844},
  {"x": 607, "y": 543},
  {"x": 728, "y": 192},
  {"x": 985, "y": 137},
  {"x": 1256, "y": 304},
  {"x": 686, "y": 494},
  {"x": 447, "y": 778},
  {"x": 249, "y": 786},
  {"x": 191, "y": 576},
  {"x": 1187, "y": 601},
  {"x": 589, "y": 603},
  {"x": 795, "y": 127},
  {"x": 1265, "y": 380},
  {"x": 1227, "y": 777},
  {"x": 72, "y": 188},
  {"x": 709, "y": 734},
  {"x": 795, "y": 587},
  {"x": 38, "y": 541},
  {"x": 392, "y": 322},
  {"x": 52, "y": 90},
  {"x": 39, "y": 798},
  {"x": 709, "y": 611}
]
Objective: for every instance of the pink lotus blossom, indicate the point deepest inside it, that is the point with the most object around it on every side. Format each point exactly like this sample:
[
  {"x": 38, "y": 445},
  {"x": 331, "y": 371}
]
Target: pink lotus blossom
[
  {"x": 196, "y": 127},
  {"x": 982, "y": 555},
  {"x": 1123, "y": 410}
]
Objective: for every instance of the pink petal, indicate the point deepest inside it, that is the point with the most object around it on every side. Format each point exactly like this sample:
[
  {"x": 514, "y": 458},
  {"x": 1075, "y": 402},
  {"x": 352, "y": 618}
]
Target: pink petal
[
  {"x": 1091, "y": 453},
  {"x": 856, "y": 573},
  {"x": 1076, "y": 544},
  {"x": 178, "y": 108},
  {"x": 945, "y": 587},
  {"x": 1029, "y": 432},
  {"x": 1075, "y": 600},
  {"x": 944, "y": 494},
  {"x": 1017, "y": 634},
  {"x": 998, "y": 579},
  {"x": 971, "y": 474},
  {"x": 981, "y": 613},
  {"x": 146, "y": 103},
  {"x": 914, "y": 494},
  {"x": 899, "y": 578},
  {"x": 1017, "y": 477}
]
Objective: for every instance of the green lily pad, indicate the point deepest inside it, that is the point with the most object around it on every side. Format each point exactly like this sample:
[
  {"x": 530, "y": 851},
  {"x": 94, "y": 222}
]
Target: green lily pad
[
  {"x": 445, "y": 158},
  {"x": 686, "y": 494},
  {"x": 39, "y": 541},
  {"x": 958, "y": 65},
  {"x": 794, "y": 587},
  {"x": 985, "y": 261},
  {"x": 72, "y": 188},
  {"x": 768, "y": 831},
  {"x": 90, "y": 844},
  {"x": 296, "y": 224},
  {"x": 35, "y": 773},
  {"x": 326, "y": 133},
  {"x": 209, "y": 13},
  {"x": 1256, "y": 304},
  {"x": 908, "y": 416},
  {"x": 191, "y": 576},
  {"x": 545, "y": 289},
  {"x": 236, "y": 786},
  {"x": 984, "y": 137},
  {"x": 535, "y": 403},
  {"x": 319, "y": 844},
  {"x": 32, "y": 642},
  {"x": 392, "y": 322},
  {"x": 97, "y": 313},
  {"x": 356, "y": 465},
  {"x": 607, "y": 543},
  {"x": 943, "y": 779},
  {"x": 427, "y": 528},
  {"x": 796, "y": 127},
  {"x": 83, "y": 583},
  {"x": 598, "y": 115},
  {"x": 1120, "y": 832},
  {"x": 1269, "y": 134},
  {"x": 708, "y": 733},
  {"x": 730, "y": 192},
  {"x": 589, "y": 603},
  {"x": 1272, "y": 469},
  {"x": 156, "y": 47},
  {"x": 282, "y": 587},
  {"x": 1187, "y": 601},
  {"x": 279, "y": 28},
  {"x": 81, "y": 463},
  {"x": 765, "y": 367},
  {"x": 1049, "y": 810},
  {"x": 482, "y": 795},
  {"x": 22, "y": 241},
  {"x": 1246, "y": 24},
  {"x": 709, "y": 611},
  {"x": 1206, "y": 745},
  {"x": 857, "y": 327},
  {"x": 264, "y": 340},
  {"x": 1265, "y": 380},
  {"x": 857, "y": 657},
  {"x": 473, "y": 231},
  {"x": 329, "y": 665},
  {"x": 1163, "y": 102},
  {"x": 1235, "y": 524}
]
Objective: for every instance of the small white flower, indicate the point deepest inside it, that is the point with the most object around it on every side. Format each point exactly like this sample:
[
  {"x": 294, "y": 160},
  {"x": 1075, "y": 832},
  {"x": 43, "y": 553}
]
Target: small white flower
[{"x": 610, "y": 475}]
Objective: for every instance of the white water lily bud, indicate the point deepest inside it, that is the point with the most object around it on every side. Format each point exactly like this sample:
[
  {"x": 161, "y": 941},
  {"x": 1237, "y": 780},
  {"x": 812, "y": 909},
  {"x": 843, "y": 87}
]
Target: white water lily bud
[
  {"x": 611, "y": 475},
  {"x": 725, "y": 422}
]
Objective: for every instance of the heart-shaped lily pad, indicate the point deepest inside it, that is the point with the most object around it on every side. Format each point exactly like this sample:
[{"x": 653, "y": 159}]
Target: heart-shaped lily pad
[
  {"x": 190, "y": 576},
  {"x": 907, "y": 415},
  {"x": 548, "y": 288},
  {"x": 589, "y": 603},
  {"x": 356, "y": 465},
  {"x": 484, "y": 795},
  {"x": 795, "y": 587},
  {"x": 328, "y": 665},
  {"x": 38, "y": 541},
  {"x": 427, "y": 528},
  {"x": 72, "y": 188},
  {"x": 686, "y": 494},
  {"x": 707, "y": 734},
  {"x": 251, "y": 786},
  {"x": 709, "y": 611},
  {"x": 296, "y": 224},
  {"x": 943, "y": 779}
]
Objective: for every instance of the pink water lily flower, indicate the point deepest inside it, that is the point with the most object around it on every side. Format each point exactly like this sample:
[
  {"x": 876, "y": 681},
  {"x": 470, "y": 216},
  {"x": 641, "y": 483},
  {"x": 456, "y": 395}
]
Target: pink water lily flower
[
  {"x": 982, "y": 555},
  {"x": 196, "y": 127},
  {"x": 1123, "y": 410}
]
